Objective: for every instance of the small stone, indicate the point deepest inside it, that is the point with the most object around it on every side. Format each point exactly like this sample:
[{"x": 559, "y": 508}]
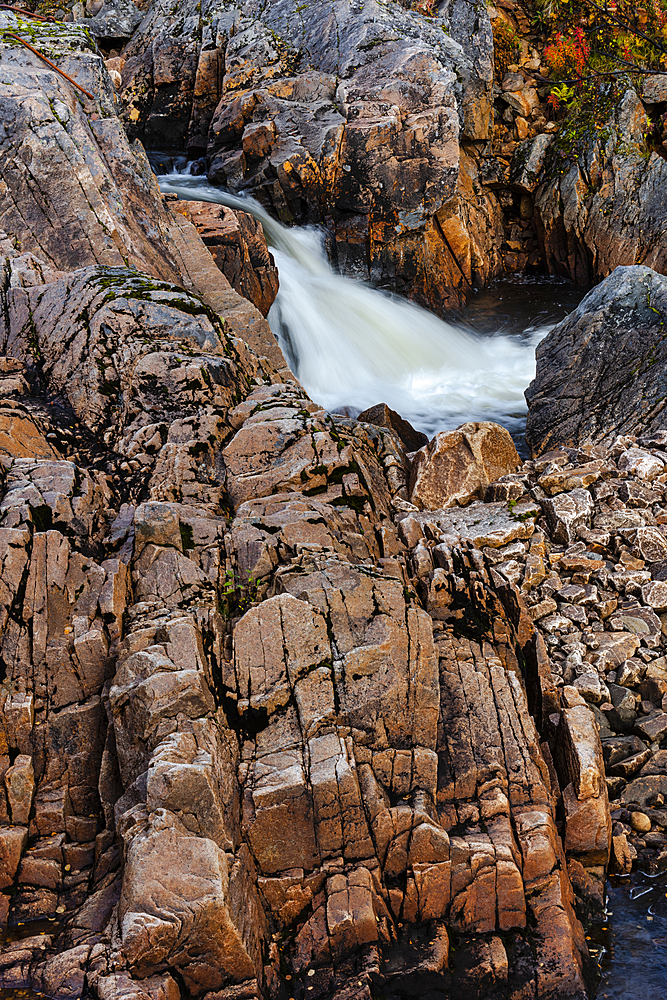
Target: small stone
[
  {"x": 622, "y": 698},
  {"x": 589, "y": 687},
  {"x": 541, "y": 610},
  {"x": 655, "y": 594},
  {"x": 622, "y": 854},
  {"x": 640, "y": 822},
  {"x": 654, "y": 728},
  {"x": 650, "y": 544},
  {"x": 640, "y": 463},
  {"x": 630, "y": 673},
  {"x": 566, "y": 512},
  {"x": 572, "y": 593}
]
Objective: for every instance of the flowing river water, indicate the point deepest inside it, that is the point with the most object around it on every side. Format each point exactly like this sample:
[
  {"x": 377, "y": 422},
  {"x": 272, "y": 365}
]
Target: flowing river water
[{"x": 353, "y": 346}]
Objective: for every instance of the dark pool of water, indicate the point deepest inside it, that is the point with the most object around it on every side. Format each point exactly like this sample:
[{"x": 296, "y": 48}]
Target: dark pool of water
[
  {"x": 520, "y": 305},
  {"x": 632, "y": 945}
]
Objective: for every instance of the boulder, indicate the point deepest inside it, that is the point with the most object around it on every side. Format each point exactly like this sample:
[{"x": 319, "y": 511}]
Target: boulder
[
  {"x": 654, "y": 90},
  {"x": 238, "y": 247},
  {"x": 457, "y": 466},
  {"x": 527, "y": 163},
  {"x": 114, "y": 23},
  {"x": 576, "y": 398},
  {"x": 383, "y": 416}
]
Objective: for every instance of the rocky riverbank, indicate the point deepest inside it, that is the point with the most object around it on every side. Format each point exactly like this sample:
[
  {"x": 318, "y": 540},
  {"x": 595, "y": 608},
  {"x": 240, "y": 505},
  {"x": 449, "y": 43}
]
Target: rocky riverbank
[{"x": 287, "y": 708}]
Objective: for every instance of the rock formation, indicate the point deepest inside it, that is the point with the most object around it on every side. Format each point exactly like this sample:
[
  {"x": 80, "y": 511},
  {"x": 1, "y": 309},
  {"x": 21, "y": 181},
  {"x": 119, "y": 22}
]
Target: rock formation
[
  {"x": 267, "y": 729},
  {"x": 344, "y": 115},
  {"x": 599, "y": 203},
  {"x": 601, "y": 372},
  {"x": 238, "y": 247}
]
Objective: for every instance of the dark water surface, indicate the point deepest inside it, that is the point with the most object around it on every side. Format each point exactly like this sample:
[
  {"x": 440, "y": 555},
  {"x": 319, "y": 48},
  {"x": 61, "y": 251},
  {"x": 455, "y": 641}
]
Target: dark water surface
[
  {"x": 519, "y": 305},
  {"x": 523, "y": 307},
  {"x": 633, "y": 949}
]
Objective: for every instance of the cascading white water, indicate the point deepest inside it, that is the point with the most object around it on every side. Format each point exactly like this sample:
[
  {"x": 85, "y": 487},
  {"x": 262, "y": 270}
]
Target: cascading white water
[{"x": 353, "y": 346}]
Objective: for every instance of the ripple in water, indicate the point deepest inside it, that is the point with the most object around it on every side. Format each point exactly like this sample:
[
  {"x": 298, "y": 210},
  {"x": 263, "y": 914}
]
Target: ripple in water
[{"x": 633, "y": 948}]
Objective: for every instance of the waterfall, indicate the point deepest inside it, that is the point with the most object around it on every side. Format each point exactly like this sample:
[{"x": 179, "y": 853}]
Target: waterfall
[{"x": 352, "y": 346}]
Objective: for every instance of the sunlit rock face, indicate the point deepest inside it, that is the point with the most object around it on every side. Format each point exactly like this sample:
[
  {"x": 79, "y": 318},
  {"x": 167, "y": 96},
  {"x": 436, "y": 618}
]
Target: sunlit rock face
[
  {"x": 267, "y": 729},
  {"x": 349, "y": 115}
]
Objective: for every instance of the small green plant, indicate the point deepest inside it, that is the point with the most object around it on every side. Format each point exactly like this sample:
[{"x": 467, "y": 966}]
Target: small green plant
[
  {"x": 237, "y": 596},
  {"x": 562, "y": 95}
]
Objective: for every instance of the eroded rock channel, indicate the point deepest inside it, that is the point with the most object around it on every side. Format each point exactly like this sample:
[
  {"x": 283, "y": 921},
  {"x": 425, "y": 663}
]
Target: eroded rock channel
[{"x": 288, "y": 708}]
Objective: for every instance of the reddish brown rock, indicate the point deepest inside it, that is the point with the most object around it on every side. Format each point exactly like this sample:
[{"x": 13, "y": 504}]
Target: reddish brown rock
[
  {"x": 457, "y": 466},
  {"x": 237, "y": 245}
]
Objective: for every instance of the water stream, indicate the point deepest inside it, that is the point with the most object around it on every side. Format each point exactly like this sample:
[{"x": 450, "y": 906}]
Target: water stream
[{"x": 353, "y": 346}]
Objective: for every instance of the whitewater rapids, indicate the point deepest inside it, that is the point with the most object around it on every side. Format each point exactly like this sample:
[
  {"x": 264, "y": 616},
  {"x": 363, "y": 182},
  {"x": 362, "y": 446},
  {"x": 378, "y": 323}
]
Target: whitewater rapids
[{"x": 352, "y": 346}]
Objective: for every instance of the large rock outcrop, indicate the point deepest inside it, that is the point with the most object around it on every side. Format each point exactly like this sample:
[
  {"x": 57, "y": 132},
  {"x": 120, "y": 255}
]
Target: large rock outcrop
[
  {"x": 237, "y": 244},
  {"x": 600, "y": 203},
  {"x": 266, "y": 729},
  {"x": 338, "y": 114},
  {"x": 601, "y": 372},
  {"x": 90, "y": 196}
]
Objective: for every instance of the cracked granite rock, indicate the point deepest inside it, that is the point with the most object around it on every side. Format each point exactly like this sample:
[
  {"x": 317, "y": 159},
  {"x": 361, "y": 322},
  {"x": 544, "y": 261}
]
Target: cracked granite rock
[{"x": 265, "y": 729}]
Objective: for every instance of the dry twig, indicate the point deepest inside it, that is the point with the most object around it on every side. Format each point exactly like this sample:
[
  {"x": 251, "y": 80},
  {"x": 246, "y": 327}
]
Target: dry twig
[
  {"x": 8, "y": 34},
  {"x": 27, "y": 13}
]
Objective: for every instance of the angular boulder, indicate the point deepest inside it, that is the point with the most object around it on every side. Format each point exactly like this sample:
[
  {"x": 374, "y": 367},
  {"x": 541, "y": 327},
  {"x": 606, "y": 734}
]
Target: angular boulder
[
  {"x": 457, "y": 466},
  {"x": 383, "y": 416},
  {"x": 238, "y": 247},
  {"x": 600, "y": 373}
]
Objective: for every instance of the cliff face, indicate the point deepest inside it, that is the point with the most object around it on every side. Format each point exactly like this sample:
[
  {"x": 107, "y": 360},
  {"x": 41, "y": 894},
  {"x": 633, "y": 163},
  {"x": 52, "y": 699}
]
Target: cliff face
[
  {"x": 348, "y": 115},
  {"x": 599, "y": 203}
]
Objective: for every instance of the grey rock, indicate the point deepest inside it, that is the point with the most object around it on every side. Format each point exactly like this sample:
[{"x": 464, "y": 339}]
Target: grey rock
[
  {"x": 115, "y": 22},
  {"x": 578, "y": 396},
  {"x": 528, "y": 162},
  {"x": 605, "y": 207},
  {"x": 654, "y": 90}
]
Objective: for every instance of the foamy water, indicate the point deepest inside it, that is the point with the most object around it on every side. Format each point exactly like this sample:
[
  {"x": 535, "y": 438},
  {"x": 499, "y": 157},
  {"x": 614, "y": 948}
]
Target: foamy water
[{"x": 353, "y": 346}]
